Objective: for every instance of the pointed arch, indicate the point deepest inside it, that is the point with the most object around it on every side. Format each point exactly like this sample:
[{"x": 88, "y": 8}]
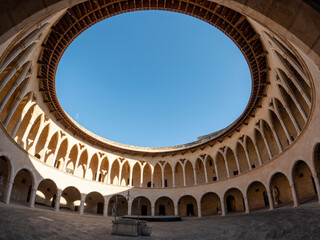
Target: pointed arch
[
  {"x": 211, "y": 171},
  {"x": 72, "y": 159},
  {"x": 61, "y": 154},
  {"x": 82, "y": 166},
  {"x": 200, "y": 171},
  {"x": 43, "y": 138},
  {"x": 178, "y": 169},
  {"x": 168, "y": 182},
  {"x": 157, "y": 176},
  {"x": 270, "y": 138},
  {"x": 51, "y": 149},
  {"x": 261, "y": 146},
  {"x": 231, "y": 161},
  {"x": 242, "y": 158},
  {"x": 136, "y": 174},
  {"x": 147, "y": 174},
  {"x": 104, "y": 168},
  {"x": 115, "y": 170},
  {"x": 253, "y": 157},
  {"x": 33, "y": 132},
  {"x": 93, "y": 167},
  {"x": 221, "y": 165},
  {"x": 188, "y": 168},
  {"x": 277, "y": 126}
]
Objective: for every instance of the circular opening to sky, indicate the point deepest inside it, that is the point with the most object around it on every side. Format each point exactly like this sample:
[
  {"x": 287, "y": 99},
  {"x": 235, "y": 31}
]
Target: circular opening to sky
[{"x": 153, "y": 79}]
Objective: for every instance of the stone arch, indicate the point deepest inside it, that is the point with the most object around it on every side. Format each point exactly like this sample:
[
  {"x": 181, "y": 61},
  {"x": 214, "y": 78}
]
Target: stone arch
[
  {"x": 253, "y": 157},
  {"x": 286, "y": 119},
  {"x": 94, "y": 203},
  {"x": 82, "y": 165},
  {"x": 211, "y": 171},
  {"x": 22, "y": 186},
  {"x": 280, "y": 189},
  {"x": 51, "y": 149},
  {"x": 270, "y": 138},
  {"x": 178, "y": 174},
  {"x": 278, "y": 128},
  {"x": 221, "y": 165},
  {"x": 188, "y": 168},
  {"x": 297, "y": 115},
  {"x": 234, "y": 201},
  {"x": 164, "y": 206},
  {"x": 70, "y": 199},
  {"x": 303, "y": 181},
  {"x": 168, "y": 182},
  {"x": 43, "y": 138},
  {"x": 92, "y": 171},
  {"x": 46, "y": 193},
  {"x": 125, "y": 174},
  {"x": 210, "y": 204},
  {"x": 61, "y": 154},
  {"x": 242, "y": 158},
  {"x": 231, "y": 161},
  {"x": 145, "y": 206},
  {"x": 33, "y": 132},
  {"x": 5, "y": 175},
  {"x": 115, "y": 170},
  {"x": 257, "y": 196},
  {"x": 136, "y": 175},
  {"x": 72, "y": 159},
  {"x": 119, "y": 204},
  {"x": 200, "y": 171},
  {"x": 187, "y": 206},
  {"x": 296, "y": 91},
  {"x": 103, "y": 172},
  {"x": 147, "y": 174},
  {"x": 23, "y": 124},
  {"x": 261, "y": 146},
  {"x": 157, "y": 176}
]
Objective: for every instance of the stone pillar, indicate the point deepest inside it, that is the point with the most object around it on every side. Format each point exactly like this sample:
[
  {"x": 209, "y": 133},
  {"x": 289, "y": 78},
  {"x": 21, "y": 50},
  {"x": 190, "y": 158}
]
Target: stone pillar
[
  {"x": 195, "y": 176},
  {"x": 130, "y": 177},
  {"x": 223, "y": 207},
  {"x": 176, "y": 210},
  {"x": 162, "y": 176},
  {"x": 316, "y": 182},
  {"x": 237, "y": 162},
  {"x": 216, "y": 169},
  {"x": 152, "y": 210},
  {"x": 294, "y": 195},
  {"x": 199, "y": 210},
  {"x": 129, "y": 207},
  {"x": 205, "y": 172},
  {"x": 57, "y": 200},
  {"x": 105, "y": 207},
  {"x": 184, "y": 176},
  {"x": 81, "y": 210},
  {"x": 270, "y": 199},
  {"x": 8, "y": 191},
  {"x": 32, "y": 197},
  {"x": 227, "y": 166},
  {"x": 173, "y": 178},
  {"x": 246, "y": 205}
]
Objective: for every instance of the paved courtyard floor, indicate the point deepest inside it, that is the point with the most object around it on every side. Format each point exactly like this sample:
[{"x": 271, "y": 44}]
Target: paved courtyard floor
[{"x": 303, "y": 222}]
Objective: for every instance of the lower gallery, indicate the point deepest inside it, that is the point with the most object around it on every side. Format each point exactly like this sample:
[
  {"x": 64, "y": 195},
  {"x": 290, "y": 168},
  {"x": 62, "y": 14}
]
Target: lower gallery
[{"x": 257, "y": 178}]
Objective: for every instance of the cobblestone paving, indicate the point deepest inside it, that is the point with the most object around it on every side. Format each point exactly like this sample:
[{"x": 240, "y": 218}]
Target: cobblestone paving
[{"x": 303, "y": 222}]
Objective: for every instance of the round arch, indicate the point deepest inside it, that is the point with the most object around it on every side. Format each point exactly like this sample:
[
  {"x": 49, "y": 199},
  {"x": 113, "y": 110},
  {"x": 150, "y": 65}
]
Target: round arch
[
  {"x": 46, "y": 193},
  {"x": 187, "y": 206},
  {"x": 233, "y": 199},
  {"x": 164, "y": 206},
  {"x": 210, "y": 204},
  {"x": 94, "y": 203},
  {"x": 118, "y": 204},
  {"x": 5, "y": 175},
  {"x": 141, "y": 206},
  {"x": 22, "y": 186},
  {"x": 280, "y": 189},
  {"x": 257, "y": 196},
  {"x": 70, "y": 199}
]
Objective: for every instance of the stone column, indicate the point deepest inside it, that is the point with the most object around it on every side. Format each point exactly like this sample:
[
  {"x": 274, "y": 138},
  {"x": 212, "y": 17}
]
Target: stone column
[
  {"x": 246, "y": 204},
  {"x": 32, "y": 197},
  {"x": 162, "y": 175},
  {"x": 176, "y": 210},
  {"x": 105, "y": 207},
  {"x": 152, "y": 210},
  {"x": 173, "y": 178},
  {"x": 57, "y": 200},
  {"x": 294, "y": 195},
  {"x": 8, "y": 191},
  {"x": 223, "y": 207},
  {"x": 195, "y": 176},
  {"x": 270, "y": 199},
  {"x": 199, "y": 210},
  {"x": 216, "y": 169},
  {"x": 129, "y": 207},
  {"x": 81, "y": 210},
  {"x": 184, "y": 176},
  {"x": 237, "y": 162}
]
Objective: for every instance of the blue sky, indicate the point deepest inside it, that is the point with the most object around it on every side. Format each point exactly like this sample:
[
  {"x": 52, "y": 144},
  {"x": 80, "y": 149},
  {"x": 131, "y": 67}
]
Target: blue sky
[{"x": 153, "y": 79}]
